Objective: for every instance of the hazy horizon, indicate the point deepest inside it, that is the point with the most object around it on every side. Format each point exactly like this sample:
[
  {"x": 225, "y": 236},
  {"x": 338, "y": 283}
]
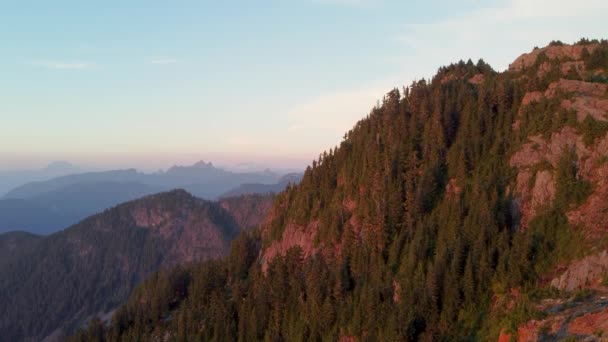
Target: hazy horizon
[
  {"x": 235, "y": 166},
  {"x": 273, "y": 83}
]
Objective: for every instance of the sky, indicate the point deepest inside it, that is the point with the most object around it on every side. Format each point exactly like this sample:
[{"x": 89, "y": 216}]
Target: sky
[{"x": 150, "y": 84}]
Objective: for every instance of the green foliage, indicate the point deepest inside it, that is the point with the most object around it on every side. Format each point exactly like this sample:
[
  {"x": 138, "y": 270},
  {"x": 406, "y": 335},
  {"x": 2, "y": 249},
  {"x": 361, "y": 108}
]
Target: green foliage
[
  {"x": 571, "y": 189},
  {"x": 587, "y": 41},
  {"x": 598, "y": 59},
  {"x": 592, "y": 129},
  {"x": 545, "y": 117}
]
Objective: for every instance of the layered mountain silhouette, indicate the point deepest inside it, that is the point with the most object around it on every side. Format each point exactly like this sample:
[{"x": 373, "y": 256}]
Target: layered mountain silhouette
[
  {"x": 14, "y": 178},
  {"x": 48, "y": 283},
  {"x": 47, "y": 206},
  {"x": 257, "y": 188}
]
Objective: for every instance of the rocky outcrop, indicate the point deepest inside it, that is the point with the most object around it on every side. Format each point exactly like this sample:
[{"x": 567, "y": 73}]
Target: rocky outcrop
[
  {"x": 577, "y": 66},
  {"x": 583, "y": 273},
  {"x": 590, "y": 324},
  {"x": 587, "y": 106},
  {"x": 293, "y": 236},
  {"x": 576, "y": 87},
  {"x": 535, "y": 161},
  {"x": 552, "y": 52},
  {"x": 539, "y": 150},
  {"x": 477, "y": 79},
  {"x": 585, "y": 98},
  {"x": 593, "y": 214},
  {"x": 582, "y": 317}
]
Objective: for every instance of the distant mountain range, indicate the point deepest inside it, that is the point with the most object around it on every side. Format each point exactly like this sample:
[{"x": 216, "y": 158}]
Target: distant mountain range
[
  {"x": 257, "y": 188},
  {"x": 9, "y": 179},
  {"x": 46, "y": 206},
  {"x": 47, "y": 282}
]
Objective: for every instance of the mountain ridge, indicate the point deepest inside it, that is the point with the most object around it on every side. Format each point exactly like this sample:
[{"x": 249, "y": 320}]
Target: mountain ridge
[{"x": 107, "y": 254}]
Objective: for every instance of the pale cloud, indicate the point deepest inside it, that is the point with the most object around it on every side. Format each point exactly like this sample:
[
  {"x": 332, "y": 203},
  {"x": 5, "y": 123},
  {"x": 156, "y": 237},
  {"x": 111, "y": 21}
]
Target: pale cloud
[
  {"x": 294, "y": 128},
  {"x": 335, "y": 112},
  {"x": 163, "y": 61},
  {"x": 64, "y": 65},
  {"x": 500, "y": 32}
]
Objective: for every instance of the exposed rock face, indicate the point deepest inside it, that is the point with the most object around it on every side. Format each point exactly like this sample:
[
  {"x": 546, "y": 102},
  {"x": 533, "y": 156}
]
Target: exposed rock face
[
  {"x": 534, "y": 189},
  {"x": 528, "y": 332},
  {"x": 576, "y": 87},
  {"x": 585, "y": 318},
  {"x": 588, "y": 106},
  {"x": 576, "y": 66},
  {"x": 592, "y": 214},
  {"x": 583, "y": 273},
  {"x": 587, "y": 98},
  {"x": 536, "y": 186},
  {"x": 591, "y": 323},
  {"x": 552, "y": 52},
  {"x": 533, "y": 96},
  {"x": 535, "y": 162},
  {"x": 477, "y": 79},
  {"x": 293, "y": 235},
  {"x": 504, "y": 336},
  {"x": 540, "y": 150}
]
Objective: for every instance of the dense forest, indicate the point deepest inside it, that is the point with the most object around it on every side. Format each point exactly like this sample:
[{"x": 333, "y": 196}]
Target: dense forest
[{"x": 414, "y": 219}]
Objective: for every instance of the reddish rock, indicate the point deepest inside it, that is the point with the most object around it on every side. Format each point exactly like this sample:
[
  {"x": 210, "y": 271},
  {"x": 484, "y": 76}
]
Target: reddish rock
[
  {"x": 396, "y": 292},
  {"x": 544, "y": 69},
  {"x": 587, "y": 106},
  {"x": 504, "y": 336},
  {"x": 577, "y": 66},
  {"x": 293, "y": 235},
  {"x": 533, "y": 196},
  {"x": 447, "y": 78},
  {"x": 583, "y": 273},
  {"x": 593, "y": 214},
  {"x": 552, "y": 52},
  {"x": 533, "y": 96},
  {"x": 477, "y": 79},
  {"x": 452, "y": 188},
  {"x": 590, "y": 324},
  {"x": 577, "y": 87},
  {"x": 528, "y": 332}
]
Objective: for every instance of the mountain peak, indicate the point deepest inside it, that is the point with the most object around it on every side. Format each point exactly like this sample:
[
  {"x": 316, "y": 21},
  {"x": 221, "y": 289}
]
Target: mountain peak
[
  {"x": 203, "y": 165},
  {"x": 60, "y": 165},
  {"x": 555, "y": 50}
]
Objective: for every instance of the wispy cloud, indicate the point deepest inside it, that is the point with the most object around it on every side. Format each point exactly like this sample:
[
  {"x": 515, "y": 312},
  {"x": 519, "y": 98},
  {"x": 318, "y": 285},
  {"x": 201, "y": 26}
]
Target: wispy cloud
[
  {"x": 498, "y": 32},
  {"x": 64, "y": 65},
  {"x": 334, "y": 113},
  {"x": 163, "y": 61}
]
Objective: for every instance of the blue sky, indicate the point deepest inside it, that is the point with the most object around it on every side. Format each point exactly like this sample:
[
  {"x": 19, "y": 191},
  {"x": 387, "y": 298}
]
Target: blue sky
[{"x": 154, "y": 83}]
